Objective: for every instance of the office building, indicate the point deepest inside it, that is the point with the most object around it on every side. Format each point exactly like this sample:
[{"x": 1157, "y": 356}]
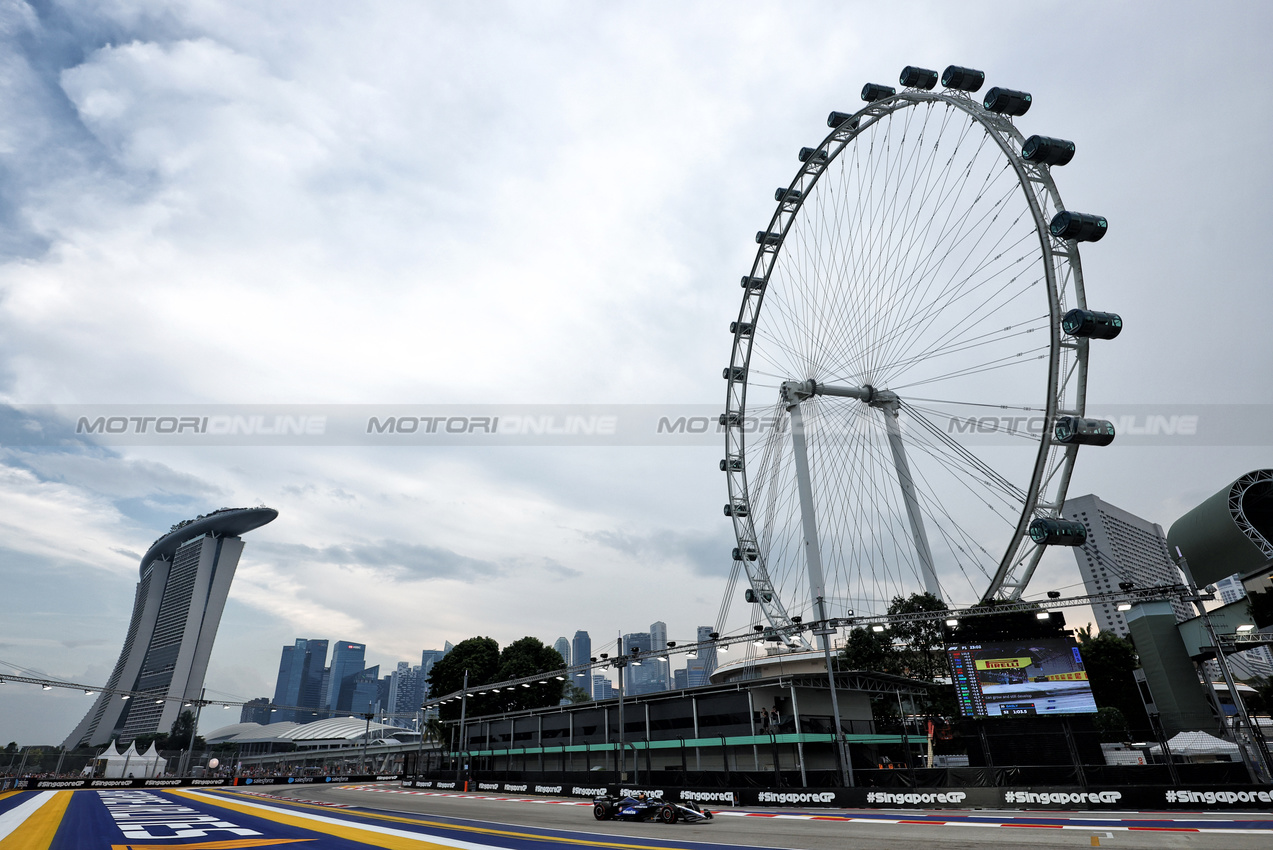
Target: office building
[
  {"x": 1251, "y": 663},
  {"x": 185, "y": 577},
  {"x": 1121, "y": 547},
  {"x": 603, "y": 688},
  {"x": 299, "y": 685},
  {"x": 406, "y": 693},
  {"x": 698, "y": 670},
  {"x": 581, "y": 652},
  {"x": 563, "y": 649},
  {"x": 428, "y": 658},
  {"x": 680, "y": 679},
  {"x": 370, "y": 694},
  {"x": 660, "y": 679},
  {"x": 642, "y": 677},
  {"x": 255, "y": 711},
  {"x": 348, "y": 661}
]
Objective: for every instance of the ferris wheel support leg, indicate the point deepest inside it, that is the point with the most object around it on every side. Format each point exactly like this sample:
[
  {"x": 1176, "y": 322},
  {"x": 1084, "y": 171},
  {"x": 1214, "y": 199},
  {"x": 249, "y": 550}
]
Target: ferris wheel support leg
[
  {"x": 817, "y": 588},
  {"x": 907, "y": 483}
]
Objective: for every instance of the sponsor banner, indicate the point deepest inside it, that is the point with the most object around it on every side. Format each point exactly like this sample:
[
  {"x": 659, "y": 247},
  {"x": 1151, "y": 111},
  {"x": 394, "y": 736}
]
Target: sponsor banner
[
  {"x": 1148, "y": 798},
  {"x": 48, "y": 784},
  {"x": 584, "y": 424},
  {"x": 194, "y": 782},
  {"x": 1003, "y": 663}
]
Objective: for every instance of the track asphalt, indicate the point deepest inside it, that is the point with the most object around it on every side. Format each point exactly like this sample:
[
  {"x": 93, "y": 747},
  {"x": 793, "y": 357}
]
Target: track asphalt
[{"x": 353, "y": 817}]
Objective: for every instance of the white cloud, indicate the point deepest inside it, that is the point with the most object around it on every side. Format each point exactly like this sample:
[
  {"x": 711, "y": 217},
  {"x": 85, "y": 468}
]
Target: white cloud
[{"x": 526, "y": 203}]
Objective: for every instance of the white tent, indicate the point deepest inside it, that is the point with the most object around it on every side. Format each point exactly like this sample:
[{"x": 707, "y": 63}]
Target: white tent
[
  {"x": 116, "y": 765},
  {"x": 1190, "y": 744}
]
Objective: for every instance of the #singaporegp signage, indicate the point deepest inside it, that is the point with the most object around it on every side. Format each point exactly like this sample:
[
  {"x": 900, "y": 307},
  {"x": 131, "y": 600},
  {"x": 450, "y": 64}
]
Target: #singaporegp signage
[{"x": 1148, "y": 797}]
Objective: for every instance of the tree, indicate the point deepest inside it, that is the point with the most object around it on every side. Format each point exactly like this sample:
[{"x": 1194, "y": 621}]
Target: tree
[
  {"x": 529, "y": 656},
  {"x": 486, "y": 664},
  {"x": 179, "y": 734},
  {"x": 576, "y": 694},
  {"x": 478, "y": 655},
  {"x": 867, "y": 650},
  {"x": 916, "y": 650},
  {"x": 924, "y": 641},
  {"x": 1109, "y": 661},
  {"x": 159, "y": 739},
  {"x": 1262, "y": 702},
  {"x": 1112, "y": 725}
]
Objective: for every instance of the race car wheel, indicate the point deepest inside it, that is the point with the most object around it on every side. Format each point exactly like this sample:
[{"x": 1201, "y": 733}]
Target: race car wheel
[
  {"x": 668, "y": 814},
  {"x": 707, "y": 814},
  {"x": 601, "y": 811}
]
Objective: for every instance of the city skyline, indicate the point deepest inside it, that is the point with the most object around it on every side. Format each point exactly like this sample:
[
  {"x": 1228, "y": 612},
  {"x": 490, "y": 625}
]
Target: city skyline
[{"x": 211, "y": 207}]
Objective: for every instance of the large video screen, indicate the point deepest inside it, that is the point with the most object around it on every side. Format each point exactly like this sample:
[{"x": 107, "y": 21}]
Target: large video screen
[{"x": 1007, "y": 678}]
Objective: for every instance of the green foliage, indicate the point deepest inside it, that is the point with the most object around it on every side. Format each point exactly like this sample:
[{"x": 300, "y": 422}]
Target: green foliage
[
  {"x": 1112, "y": 725},
  {"x": 478, "y": 655},
  {"x": 12, "y": 747},
  {"x": 915, "y": 650},
  {"x": 868, "y": 650},
  {"x": 159, "y": 739},
  {"x": 576, "y": 694},
  {"x": 1109, "y": 661},
  {"x": 179, "y": 734},
  {"x": 485, "y": 663},
  {"x": 1261, "y": 702}
]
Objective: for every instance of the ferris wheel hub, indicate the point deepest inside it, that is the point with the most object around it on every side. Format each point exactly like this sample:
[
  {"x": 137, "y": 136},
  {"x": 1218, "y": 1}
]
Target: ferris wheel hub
[{"x": 794, "y": 392}]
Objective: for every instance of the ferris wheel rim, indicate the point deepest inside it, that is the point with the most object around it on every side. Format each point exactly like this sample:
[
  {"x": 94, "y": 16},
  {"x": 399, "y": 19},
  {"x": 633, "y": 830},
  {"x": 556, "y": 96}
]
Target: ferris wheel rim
[{"x": 1059, "y": 259}]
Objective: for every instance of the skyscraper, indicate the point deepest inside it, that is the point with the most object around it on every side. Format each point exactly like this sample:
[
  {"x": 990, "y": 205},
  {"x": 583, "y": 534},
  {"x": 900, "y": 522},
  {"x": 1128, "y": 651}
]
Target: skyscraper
[
  {"x": 301, "y": 670},
  {"x": 185, "y": 577},
  {"x": 1257, "y": 661},
  {"x": 255, "y": 711},
  {"x": 563, "y": 649},
  {"x": 1121, "y": 547},
  {"x": 581, "y": 652},
  {"x": 706, "y": 652},
  {"x": 348, "y": 660},
  {"x": 659, "y": 679},
  {"x": 641, "y": 679},
  {"x": 428, "y": 658}
]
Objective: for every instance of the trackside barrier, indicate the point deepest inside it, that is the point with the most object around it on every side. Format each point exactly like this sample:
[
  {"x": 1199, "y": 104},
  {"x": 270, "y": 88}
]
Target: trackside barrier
[
  {"x": 1150, "y": 798},
  {"x": 36, "y": 784}
]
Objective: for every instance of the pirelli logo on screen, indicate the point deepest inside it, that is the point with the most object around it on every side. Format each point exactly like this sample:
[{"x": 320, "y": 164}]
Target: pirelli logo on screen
[{"x": 1004, "y": 663}]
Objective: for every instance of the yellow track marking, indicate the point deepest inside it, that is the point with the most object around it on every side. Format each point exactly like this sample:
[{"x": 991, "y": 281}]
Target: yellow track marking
[
  {"x": 37, "y": 831},
  {"x": 231, "y": 844},
  {"x": 576, "y": 842}
]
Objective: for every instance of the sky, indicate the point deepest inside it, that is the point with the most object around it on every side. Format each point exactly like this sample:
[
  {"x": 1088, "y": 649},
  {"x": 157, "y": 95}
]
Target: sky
[{"x": 231, "y": 203}]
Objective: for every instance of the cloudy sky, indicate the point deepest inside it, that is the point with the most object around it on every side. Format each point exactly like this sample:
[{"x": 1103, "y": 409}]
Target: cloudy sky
[{"x": 521, "y": 203}]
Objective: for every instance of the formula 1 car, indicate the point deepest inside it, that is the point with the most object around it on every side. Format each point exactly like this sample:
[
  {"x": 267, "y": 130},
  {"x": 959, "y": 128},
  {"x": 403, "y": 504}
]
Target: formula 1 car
[{"x": 644, "y": 809}]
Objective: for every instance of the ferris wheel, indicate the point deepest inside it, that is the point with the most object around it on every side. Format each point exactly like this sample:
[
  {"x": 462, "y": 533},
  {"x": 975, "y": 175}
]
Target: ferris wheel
[{"x": 906, "y": 390}]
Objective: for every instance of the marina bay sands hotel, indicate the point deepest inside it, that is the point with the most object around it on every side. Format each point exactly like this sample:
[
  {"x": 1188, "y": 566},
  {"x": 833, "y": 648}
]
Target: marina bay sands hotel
[{"x": 185, "y": 578}]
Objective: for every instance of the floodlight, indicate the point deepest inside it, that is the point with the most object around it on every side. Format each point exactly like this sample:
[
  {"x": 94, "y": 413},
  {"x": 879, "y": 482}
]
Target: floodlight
[
  {"x": 952, "y": 623},
  {"x": 46, "y": 687},
  {"x": 1124, "y": 606},
  {"x": 1246, "y": 627},
  {"x": 1043, "y": 615},
  {"x": 877, "y": 628}
]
